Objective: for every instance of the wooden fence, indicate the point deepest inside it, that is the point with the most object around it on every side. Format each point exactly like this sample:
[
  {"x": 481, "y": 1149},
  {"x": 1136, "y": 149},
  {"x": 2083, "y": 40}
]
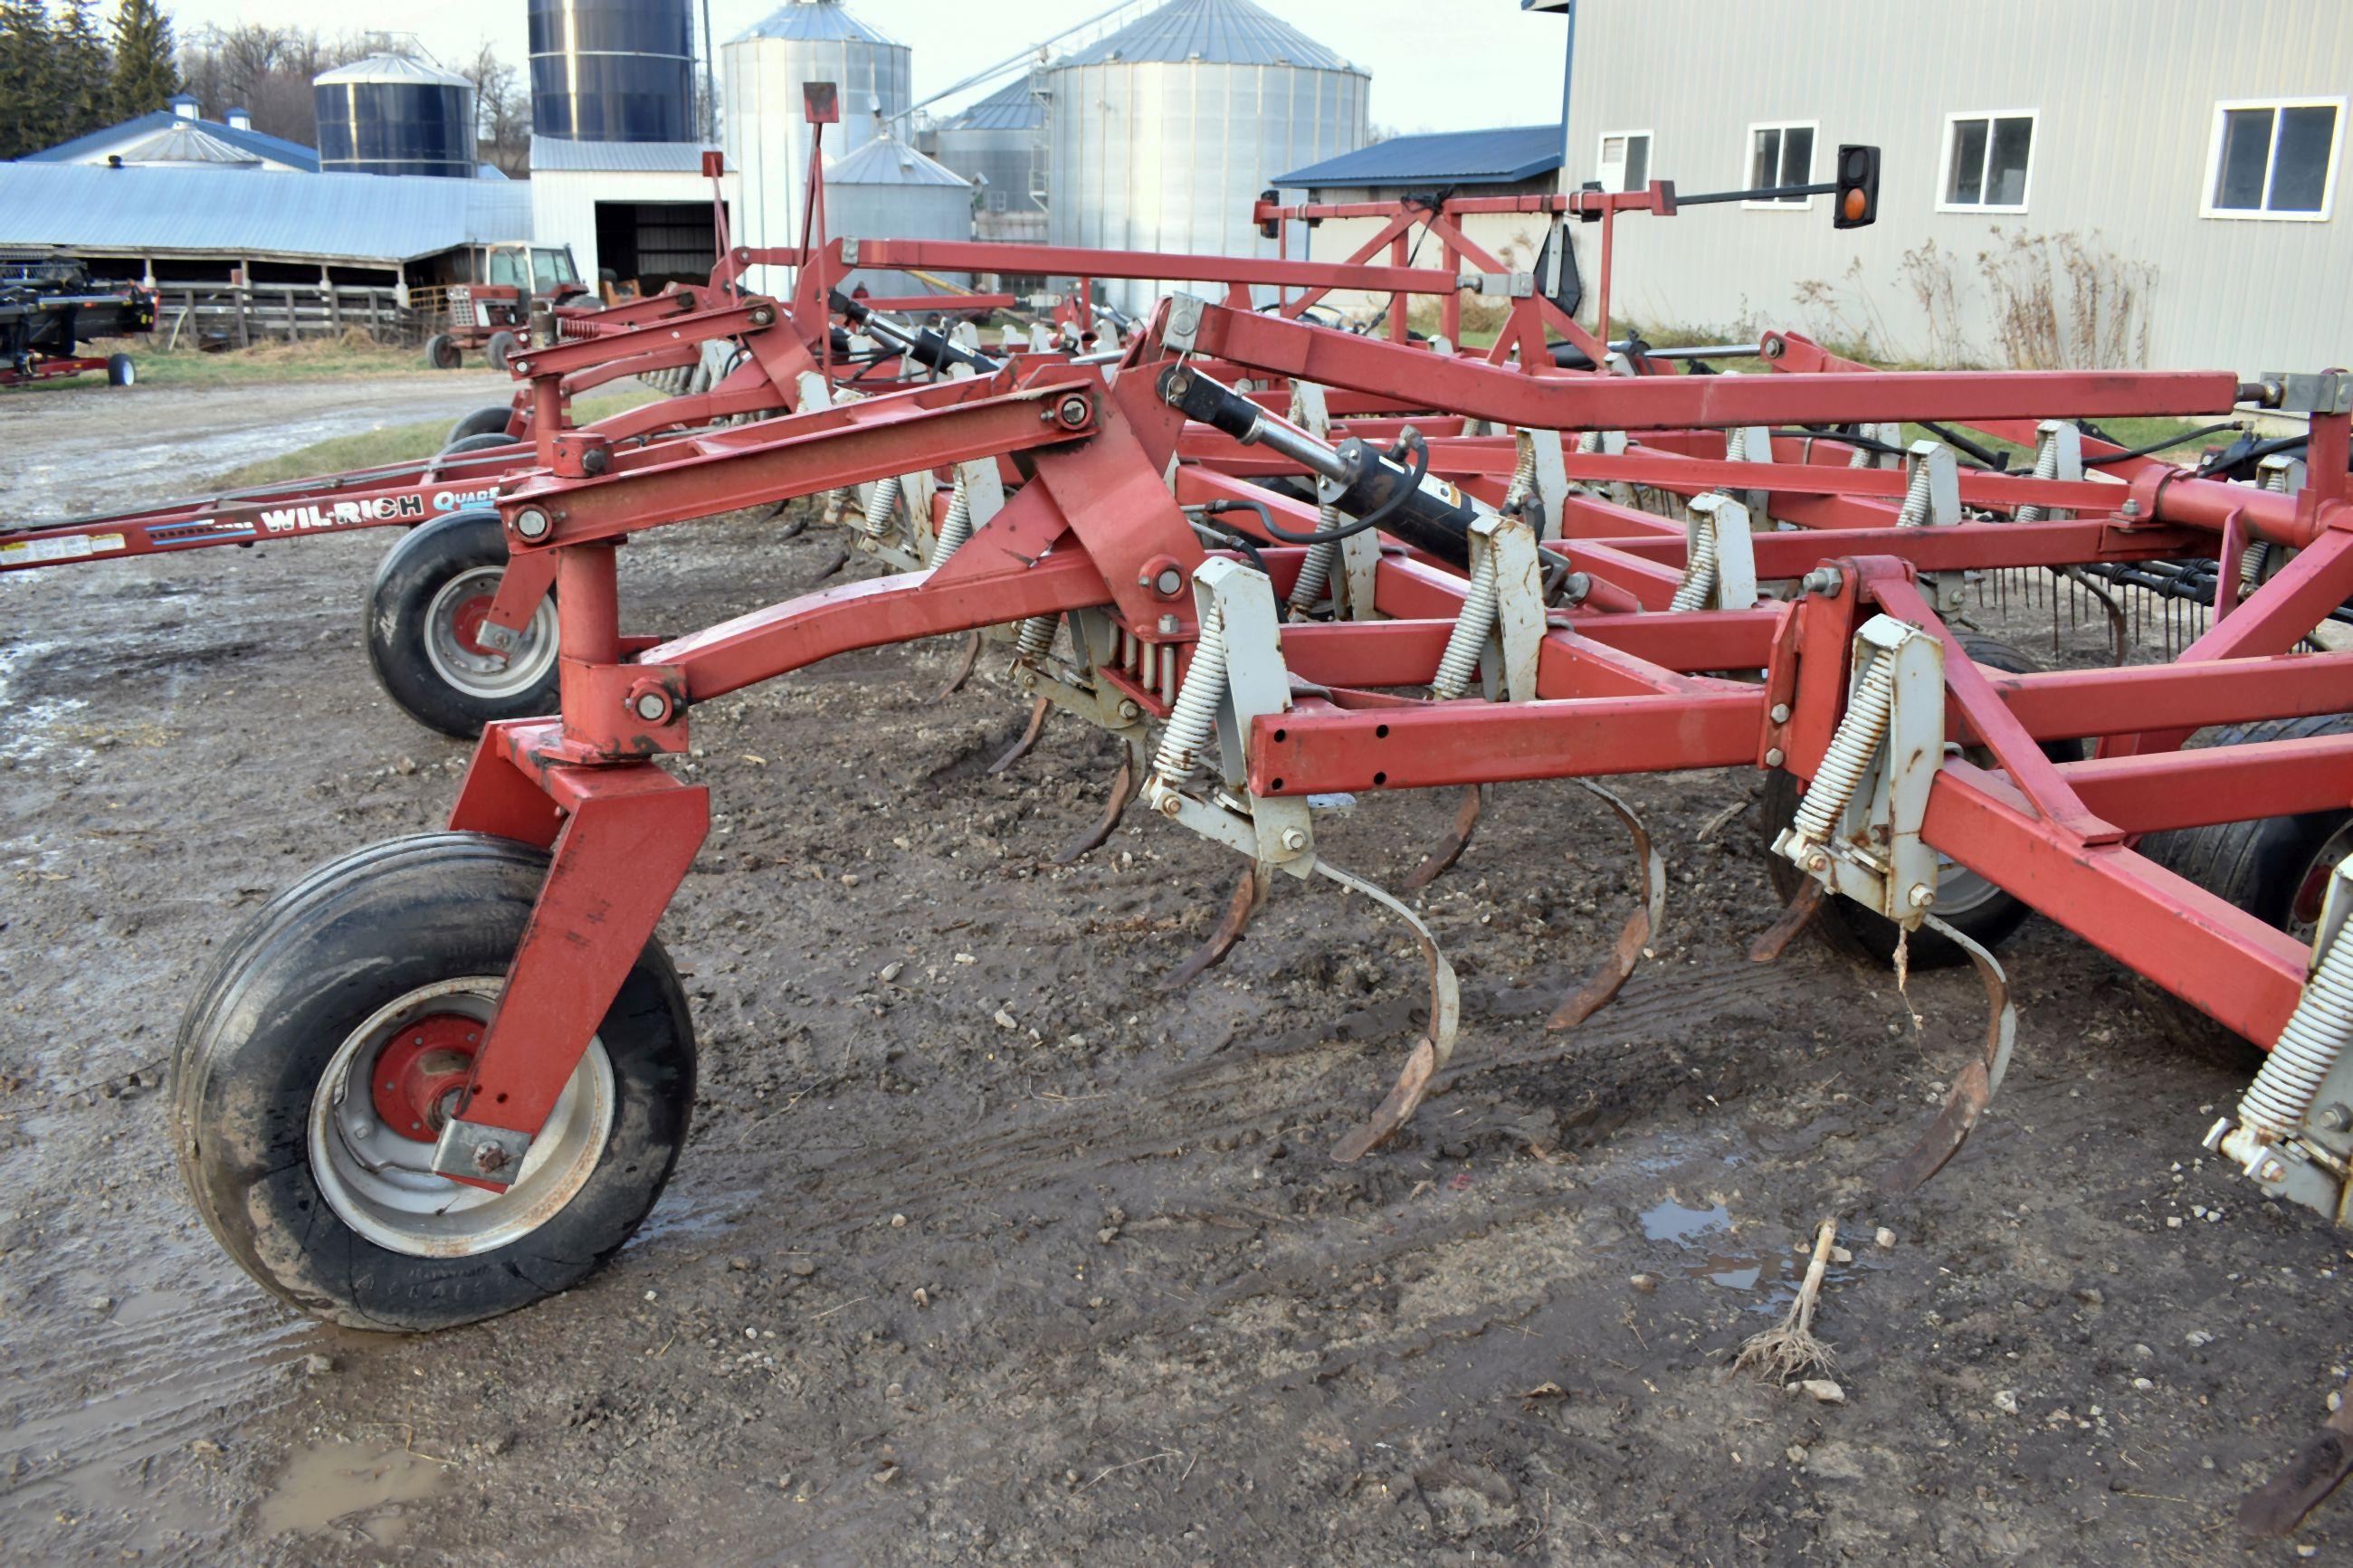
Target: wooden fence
[{"x": 193, "y": 314}]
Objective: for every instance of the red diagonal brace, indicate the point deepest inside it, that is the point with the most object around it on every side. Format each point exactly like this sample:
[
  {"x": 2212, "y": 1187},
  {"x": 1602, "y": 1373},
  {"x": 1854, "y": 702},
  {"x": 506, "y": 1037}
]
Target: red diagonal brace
[{"x": 2035, "y": 775}]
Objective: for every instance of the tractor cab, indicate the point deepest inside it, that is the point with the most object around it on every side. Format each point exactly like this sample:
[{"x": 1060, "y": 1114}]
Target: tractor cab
[{"x": 492, "y": 292}]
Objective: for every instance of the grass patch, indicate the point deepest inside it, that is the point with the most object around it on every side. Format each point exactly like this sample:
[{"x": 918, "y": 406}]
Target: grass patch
[
  {"x": 352, "y": 356},
  {"x": 395, "y": 444}
]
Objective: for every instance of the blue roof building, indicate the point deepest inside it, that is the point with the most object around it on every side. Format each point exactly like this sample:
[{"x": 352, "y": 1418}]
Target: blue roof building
[{"x": 181, "y": 135}]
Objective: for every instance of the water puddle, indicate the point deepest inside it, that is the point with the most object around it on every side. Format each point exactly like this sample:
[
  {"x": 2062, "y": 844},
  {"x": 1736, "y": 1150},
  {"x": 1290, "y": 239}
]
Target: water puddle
[
  {"x": 1670, "y": 1221},
  {"x": 359, "y": 1485}
]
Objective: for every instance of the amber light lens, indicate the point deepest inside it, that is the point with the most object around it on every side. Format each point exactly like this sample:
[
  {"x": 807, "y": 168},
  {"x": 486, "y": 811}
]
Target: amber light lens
[{"x": 1853, "y": 202}]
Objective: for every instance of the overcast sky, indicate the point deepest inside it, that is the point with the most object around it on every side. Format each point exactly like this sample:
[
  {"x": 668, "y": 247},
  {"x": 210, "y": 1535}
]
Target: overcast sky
[{"x": 1492, "y": 65}]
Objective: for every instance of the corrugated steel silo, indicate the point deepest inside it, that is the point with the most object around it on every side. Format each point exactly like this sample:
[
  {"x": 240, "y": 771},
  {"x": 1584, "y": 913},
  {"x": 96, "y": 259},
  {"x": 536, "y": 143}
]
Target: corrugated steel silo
[
  {"x": 1000, "y": 144},
  {"x": 389, "y": 114},
  {"x": 613, "y": 70},
  {"x": 766, "y": 139},
  {"x": 887, "y": 190},
  {"x": 1161, "y": 135}
]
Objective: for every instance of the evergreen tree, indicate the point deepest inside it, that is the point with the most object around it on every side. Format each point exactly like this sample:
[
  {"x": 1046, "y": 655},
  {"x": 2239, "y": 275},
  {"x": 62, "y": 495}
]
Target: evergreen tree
[
  {"x": 30, "y": 94},
  {"x": 85, "y": 69},
  {"x": 145, "y": 74}
]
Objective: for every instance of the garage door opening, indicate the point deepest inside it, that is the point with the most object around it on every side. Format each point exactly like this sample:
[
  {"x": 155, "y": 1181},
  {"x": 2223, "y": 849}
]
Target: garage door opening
[{"x": 655, "y": 244}]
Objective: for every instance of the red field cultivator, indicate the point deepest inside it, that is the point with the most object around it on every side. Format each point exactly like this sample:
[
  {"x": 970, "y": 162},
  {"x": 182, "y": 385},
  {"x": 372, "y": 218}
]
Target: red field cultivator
[{"x": 1291, "y": 568}]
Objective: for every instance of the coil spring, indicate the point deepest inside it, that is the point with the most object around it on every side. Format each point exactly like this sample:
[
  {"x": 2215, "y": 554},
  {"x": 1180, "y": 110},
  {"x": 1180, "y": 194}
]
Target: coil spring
[
  {"x": 1524, "y": 472},
  {"x": 2316, "y": 1034},
  {"x": 1588, "y": 443},
  {"x": 1315, "y": 570},
  {"x": 1851, "y": 747},
  {"x": 1736, "y": 451},
  {"x": 1914, "y": 510},
  {"x": 2046, "y": 467},
  {"x": 879, "y": 512},
  {"x": 1194, "y": 717},
  {"x": 1471, "y": 630},
  {"x": 1036, "y": 637},
  {"x": 1699, "y": 571},
  {"x": 956, "y": 526}
]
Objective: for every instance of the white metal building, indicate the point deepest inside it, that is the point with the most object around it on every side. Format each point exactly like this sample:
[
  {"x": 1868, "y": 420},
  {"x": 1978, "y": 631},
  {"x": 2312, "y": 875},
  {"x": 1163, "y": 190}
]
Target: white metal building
[
  {"x": 2108, "y": 181},
  {"x": 639, "y": 210}
]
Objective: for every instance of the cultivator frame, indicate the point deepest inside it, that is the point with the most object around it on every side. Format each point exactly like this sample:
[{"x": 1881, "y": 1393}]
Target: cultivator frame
[{"x": 1286, "y": 565}]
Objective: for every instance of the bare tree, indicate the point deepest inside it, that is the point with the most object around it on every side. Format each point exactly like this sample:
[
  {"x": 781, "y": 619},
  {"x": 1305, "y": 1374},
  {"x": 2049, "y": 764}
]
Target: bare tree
[{"x": 501, "y": 114}]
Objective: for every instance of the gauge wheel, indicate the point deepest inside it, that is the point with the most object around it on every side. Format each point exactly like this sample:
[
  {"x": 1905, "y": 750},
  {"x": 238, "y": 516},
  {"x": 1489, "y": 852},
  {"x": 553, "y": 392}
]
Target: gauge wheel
[
  {"x": 1965, "y": 900},
  {"x": 2277, "y": 868},
  {"x": 424, "y": 616},
  {"x": 325, "y": 1050},
  {"x": 480, "y": 422},
  {"x": 481, "y": 443},
  {"x": 121, "y": 372}
]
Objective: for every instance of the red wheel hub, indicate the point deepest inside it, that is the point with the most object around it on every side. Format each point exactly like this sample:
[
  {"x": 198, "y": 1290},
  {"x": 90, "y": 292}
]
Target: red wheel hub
[
  {"x": 466, "y": 624},
  {"x": 420, "y": 1070}
]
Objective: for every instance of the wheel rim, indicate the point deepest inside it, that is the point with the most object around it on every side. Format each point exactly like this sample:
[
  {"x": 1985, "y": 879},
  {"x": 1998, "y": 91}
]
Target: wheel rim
[
  {"x": 375, "y": 1174},
  {"x": 453, "y": 625},
  {"x": 2304, "y": 910}
]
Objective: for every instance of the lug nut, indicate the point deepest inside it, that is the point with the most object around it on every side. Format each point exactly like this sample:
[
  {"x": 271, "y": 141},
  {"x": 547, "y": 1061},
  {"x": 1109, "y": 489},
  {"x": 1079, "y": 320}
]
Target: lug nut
[
  {"x": 1823, "y": 580},
  {"x": 1773, "y": 758},
  {"x": 1129, "y": 711},
  {"x": 1923, "y": 896},
  {"x": 1294, "y": 840},
  {"x": 1781, "y": 712},
  {"x": 532, "y": 523}
]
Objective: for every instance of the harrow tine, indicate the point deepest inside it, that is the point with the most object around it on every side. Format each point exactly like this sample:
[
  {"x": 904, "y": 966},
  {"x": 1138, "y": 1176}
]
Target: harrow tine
[
  {"x": 2085, "y": 580},
  {"x": 2318, "y": 1468},
  {"x": 971, "y": 657},
  {"x": 1775, "y": 939},
  {"x": 1020, "y": 748},
  {"x": 1248, "y": 897},
  {"x": 1125, "y": 785},
  {"x": 1973, "y": 1086},
  {"x": 1621, "y": 961},
  {"x": 1449, "y": 848},
  {"x": 1430, "y": 1053}
]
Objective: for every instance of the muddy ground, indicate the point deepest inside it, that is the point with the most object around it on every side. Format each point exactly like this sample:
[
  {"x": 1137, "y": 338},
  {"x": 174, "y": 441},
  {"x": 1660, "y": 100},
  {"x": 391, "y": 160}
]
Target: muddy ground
[{"x": 930, "y": 1288}]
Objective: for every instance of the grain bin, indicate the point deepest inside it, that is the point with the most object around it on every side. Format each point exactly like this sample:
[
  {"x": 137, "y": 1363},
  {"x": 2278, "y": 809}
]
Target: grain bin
[
  {"x": 613, "y": 70},
  {"x": 1162, "y": 134},
  {"x": 389, "y": 114},
  {"x": 999, "y": 145},
  {"x": 887, "y": 190},
  {"x": 764, "y": 69}
]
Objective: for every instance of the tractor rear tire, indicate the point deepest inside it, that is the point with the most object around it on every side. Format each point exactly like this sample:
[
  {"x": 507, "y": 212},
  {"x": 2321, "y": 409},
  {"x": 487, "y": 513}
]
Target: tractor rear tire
[
  {"x": 500, "y": 349},
  {"x": 442, "y": 353},
  {"x": 424, "y": 611},
  {"x": 480, "y": 422},
  {"x": 1966, "y": 902},
  {"x": 312, "y": 1172},
  {"x": 121, "y": 372}
]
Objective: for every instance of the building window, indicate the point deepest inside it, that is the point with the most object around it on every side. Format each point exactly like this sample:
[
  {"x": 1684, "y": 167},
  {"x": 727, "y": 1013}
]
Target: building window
[
  {"x": 997, "y": 201},
  {"x": 1781, "y": 155},
  {"x": 2274, "y": 158},
  {"x": 1625, "y": 161},
  {"x": 1986, "y": 157}
]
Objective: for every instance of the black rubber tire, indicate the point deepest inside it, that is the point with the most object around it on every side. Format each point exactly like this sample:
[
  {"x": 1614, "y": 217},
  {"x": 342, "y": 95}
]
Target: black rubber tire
[
  {"x": 481, "y": 442},
  {"x": 306, "y": 972},
  {"x": 412, "y": 572},
  {"x": 481, "y": 421},
  {"x": 121, "y": 372},
  {"x": 2260, "y": 866},
  {"x": 500, "y": 349},
  {"x": 1870, "y": 938},
  {"x": 442, "y": 353}
]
